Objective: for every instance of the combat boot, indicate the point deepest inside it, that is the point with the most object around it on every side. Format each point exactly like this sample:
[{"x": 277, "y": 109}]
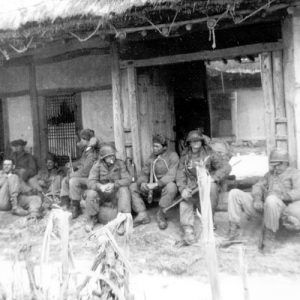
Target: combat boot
[
  {"x": 75, "y": 209},
  {"x": 269, "y": 241},
  {"x": 161, "y": 220},
  {"x": 188, "y": 235},
  {"x": 233, "y": 232},
  {"x": 65, "y": 202},
  {"x": 90, "y": 223},
  {"x": 16, "y": 209},
  {"x": 141, "y": 219}
]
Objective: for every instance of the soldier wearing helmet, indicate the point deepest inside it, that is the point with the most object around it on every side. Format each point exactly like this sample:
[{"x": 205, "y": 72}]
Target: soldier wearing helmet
[
  {"x": 198, "y": 150},
  {"x": 161, "y": 166},
  {"x": 108, "y": 184},
  {"x": 73, "y": 185},
  {"x": 276, "y": 195}
]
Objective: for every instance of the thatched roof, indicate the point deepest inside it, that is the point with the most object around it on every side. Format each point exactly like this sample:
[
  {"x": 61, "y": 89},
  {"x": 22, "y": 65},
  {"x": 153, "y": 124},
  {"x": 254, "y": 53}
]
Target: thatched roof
[{"x": 19, "y": 12}]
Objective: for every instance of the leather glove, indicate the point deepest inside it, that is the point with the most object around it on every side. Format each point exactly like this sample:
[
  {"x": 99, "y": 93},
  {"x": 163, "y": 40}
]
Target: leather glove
[
  {"x": 186, "y": 193},
  {"x": 258, "y": 205}
]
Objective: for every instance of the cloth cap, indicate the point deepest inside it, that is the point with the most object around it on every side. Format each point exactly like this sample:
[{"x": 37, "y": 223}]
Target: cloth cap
[
  {"x": 160, "y": 139},
  {"x": 106, "y": 149},
  {"x": 51, "y": 156},
  {"x": 86, "y": 134},
  {"x": 278, "y": 155},
  {"x": 19, "y": 142}
]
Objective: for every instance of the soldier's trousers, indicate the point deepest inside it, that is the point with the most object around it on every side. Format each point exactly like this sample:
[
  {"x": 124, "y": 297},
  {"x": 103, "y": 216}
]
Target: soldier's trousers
[
  {"x": 98, "y": 203},
  {"x": 167, "y": 195},
  {"x": 186, "y": 207},
  {"x": 10, "y": 188},
  {"x": 73, "y": 187},
  {"x": 274, "y": 209}
]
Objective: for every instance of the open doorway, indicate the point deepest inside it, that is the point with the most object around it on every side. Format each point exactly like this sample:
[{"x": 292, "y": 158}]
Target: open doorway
[{"x": 190, "y": 99}]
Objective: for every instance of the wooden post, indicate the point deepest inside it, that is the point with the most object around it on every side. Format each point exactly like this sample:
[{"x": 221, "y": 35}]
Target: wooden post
[
  {"x": 117, "y": 102},
  {"x": 34, "y": 111},
  {"x": 132, "y": 93},
  {"x": 280, "y": 110},
  {"x": 43, "y": 128},
  {"x": 208, "y": 238},
  {"x": 5, "y": 125},
  {"x": 267, "y": 85}
]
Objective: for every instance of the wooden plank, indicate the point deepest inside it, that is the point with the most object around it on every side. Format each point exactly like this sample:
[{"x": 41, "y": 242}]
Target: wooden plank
[
  {"x": 205, "y": 55},
  {"x": 43, "y": 128},
  {"x": 133, "y": 109},
  {"x": 34, "y": 111},
  {"x": 125, "y": 100},
  {"x": 117, "y": 102},
  {"x": 5, "y": 125},
  {"x": 267, "y": 85},
  {"x": 280, "y": 111},
  {"x": 289, "y": 88}
]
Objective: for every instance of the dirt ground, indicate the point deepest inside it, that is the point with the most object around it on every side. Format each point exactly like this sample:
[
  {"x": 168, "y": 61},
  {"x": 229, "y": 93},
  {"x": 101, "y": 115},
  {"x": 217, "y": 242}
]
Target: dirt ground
[{"x": 163, "y": 271}]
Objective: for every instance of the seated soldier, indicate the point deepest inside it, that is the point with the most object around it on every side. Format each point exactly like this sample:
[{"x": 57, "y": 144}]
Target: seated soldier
[
  {"x": 108, "y": 187},
  {"x": 163, "y": 164},
  {"x": 49, "y": 180},
  {"x": 276, "y": 196},
  {"x": 25, "y": 164},
  {"x": 186, "y": 178},
  {"x": 76, "y": 182},
  {"x": 10, "y": 195}
]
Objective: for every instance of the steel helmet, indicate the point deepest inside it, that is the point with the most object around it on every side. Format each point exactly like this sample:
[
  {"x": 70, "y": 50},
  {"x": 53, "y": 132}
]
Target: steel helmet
[
  {"x": 106, "y": 150},
  {"x": 194, "y": 136},
  {"x": 279, "y": 155}
]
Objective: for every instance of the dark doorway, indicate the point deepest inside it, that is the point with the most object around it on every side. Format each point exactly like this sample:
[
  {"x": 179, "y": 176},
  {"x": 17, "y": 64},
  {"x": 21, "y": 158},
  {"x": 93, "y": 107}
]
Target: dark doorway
[{"x": 190, "y": 99}]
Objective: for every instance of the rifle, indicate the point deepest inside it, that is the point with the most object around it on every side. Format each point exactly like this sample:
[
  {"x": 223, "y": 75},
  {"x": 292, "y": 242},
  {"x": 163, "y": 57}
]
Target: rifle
[
  {"x": 150, "y": 194},
  {"x": 70, "y": 162},
  {"x": 194, "y": 191}
]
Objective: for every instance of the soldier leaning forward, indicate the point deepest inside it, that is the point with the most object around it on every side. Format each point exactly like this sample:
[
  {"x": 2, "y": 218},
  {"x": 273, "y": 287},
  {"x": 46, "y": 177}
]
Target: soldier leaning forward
[
  {"x": 108, "y": 184},
  {"x": 186, "y": 179},
  {"x": 76, "y": 182},
  {"x": 161, "y": 166},
  {"x": 277, "y": 195}
]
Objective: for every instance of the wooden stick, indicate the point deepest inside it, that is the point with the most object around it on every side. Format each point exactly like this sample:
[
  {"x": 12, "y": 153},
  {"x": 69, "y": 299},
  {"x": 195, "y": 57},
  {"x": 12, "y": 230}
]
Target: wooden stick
[
  {"x": 243, "y": 272},
  {"x": 204, "y": 182}
]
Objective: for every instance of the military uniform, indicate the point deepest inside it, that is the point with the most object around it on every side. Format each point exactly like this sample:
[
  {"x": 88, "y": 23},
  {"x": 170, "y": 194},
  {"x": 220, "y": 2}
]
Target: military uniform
[
  {"x": 11, "y": 198},
  {"x": 164, "y": 171},
  {"x": 117, "y": 200},
  {"x": 73, "y": 185},
  {"x": 186, "y": 178},
  {"x": 280, "y": 194}
]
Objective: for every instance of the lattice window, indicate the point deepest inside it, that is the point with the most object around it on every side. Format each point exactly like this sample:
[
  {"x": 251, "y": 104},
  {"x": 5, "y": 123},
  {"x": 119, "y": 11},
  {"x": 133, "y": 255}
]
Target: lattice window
[{"x": 61, "y": 123}]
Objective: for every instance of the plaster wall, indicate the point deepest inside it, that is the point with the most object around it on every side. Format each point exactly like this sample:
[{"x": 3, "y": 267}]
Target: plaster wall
[
  {"x": 86, "y": 71},
  {"x": 250, "y": 115},
  {"x": 97, "y": 113},
  {"x": 14, "y": 79},
  {"x": 20, "y": 119}
]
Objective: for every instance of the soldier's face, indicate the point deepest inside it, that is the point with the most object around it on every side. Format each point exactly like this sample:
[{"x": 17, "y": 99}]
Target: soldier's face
[
  {"x": 109, "y": 160},
  {"x": 195, "y": 146},
  {"x": 8, "y": 166},
  {"x": 17, "y": 149},
  {"x": 157, "y": 148},
  {"x": 82, "y": 143},
  {"x": 277, "y": 167},
  {"x": 50, "y": 164}
]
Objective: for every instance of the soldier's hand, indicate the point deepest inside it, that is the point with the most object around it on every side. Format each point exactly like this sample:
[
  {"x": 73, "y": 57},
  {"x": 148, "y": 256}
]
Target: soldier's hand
[
  {"x": 258, "y": 205},
  {"x": 144, "y": 187},
  {"x": 186, "y": 193},
  {"x": 152, "y": 186},
  {"x": 109, "y": 187}
]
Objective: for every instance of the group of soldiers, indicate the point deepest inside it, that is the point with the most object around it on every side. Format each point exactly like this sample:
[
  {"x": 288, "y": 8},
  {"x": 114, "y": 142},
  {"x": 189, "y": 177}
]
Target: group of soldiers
[{"x": 106, "y": 187}]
